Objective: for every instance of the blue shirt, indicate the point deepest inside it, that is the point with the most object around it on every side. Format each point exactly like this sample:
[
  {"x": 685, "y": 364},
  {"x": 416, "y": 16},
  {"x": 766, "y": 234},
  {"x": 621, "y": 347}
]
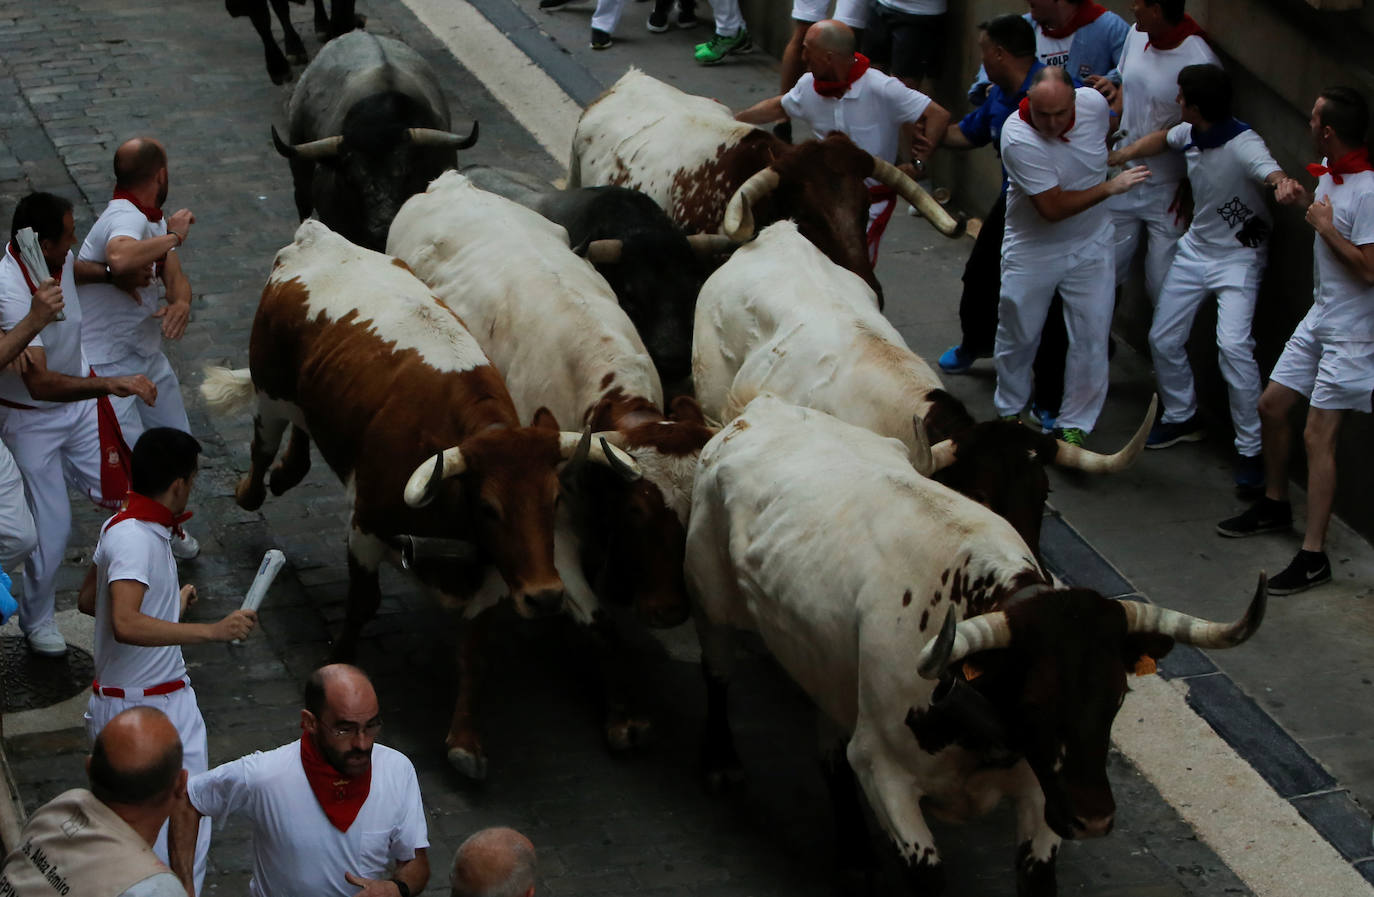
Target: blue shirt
[
  {"x": 984, "y": 124},
  {"x": 1095, "y": 50}
]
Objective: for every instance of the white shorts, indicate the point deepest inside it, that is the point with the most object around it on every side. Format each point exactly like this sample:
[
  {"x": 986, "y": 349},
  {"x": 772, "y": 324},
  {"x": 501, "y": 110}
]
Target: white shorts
[
  {"x": 853, "y": 13},
  {"x": 1334, "y": 376}
]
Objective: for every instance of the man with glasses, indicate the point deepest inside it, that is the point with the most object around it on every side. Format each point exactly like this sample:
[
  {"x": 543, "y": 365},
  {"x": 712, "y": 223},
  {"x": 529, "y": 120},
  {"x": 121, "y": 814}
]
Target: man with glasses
[
  {"x": 133, "y": 591},
  {"x": 331, "y": 813}
]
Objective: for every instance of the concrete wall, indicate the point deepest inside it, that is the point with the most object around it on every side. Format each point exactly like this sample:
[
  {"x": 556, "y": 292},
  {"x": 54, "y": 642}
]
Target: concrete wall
[{"x": 1281, "y": 53}]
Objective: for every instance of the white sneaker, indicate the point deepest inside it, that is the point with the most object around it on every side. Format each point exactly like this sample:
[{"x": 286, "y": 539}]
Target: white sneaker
[
  {"x": 184, "y": 547},
  {"x": 46, "y": 640}
]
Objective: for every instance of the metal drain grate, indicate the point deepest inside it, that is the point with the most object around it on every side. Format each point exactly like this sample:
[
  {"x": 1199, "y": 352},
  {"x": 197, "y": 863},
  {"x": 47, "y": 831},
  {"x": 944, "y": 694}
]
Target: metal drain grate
[{"x": 30, "y": 681}]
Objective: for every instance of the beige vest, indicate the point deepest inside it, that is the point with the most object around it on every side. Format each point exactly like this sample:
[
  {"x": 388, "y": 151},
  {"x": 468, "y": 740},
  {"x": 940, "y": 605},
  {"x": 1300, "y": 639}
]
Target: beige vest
[{"x": 75, "y": 846}]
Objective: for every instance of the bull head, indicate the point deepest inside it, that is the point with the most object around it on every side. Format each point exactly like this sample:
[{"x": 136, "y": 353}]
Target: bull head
[{"x": 329, "y": 147}]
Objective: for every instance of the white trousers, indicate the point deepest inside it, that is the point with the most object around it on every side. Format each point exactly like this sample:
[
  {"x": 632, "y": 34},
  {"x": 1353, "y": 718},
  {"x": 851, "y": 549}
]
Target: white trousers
[
  {"x": 52, "y": 447},
  {"x": 1146, "y": 208},
  {"x": 18, "y": 536},
  {"x": 180, "y": 707},
  {"x": 134, "y": 414},
  {"x": 607, "y": 15},
  {"x": 1235, "y": 278},
  {"x": 1084, "y": 279},
  {"x": 729, "y": 19}
]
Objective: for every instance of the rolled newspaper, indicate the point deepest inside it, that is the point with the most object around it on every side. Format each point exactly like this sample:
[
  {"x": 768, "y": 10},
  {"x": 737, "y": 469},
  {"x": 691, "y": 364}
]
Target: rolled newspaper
[
  {"x": 31, "y": 254},
  {"x": 271, "y": 565}
]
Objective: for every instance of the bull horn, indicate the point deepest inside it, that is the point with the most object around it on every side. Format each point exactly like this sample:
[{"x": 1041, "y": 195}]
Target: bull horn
[
  {"x": 985, "y": 632},
  {"x": 914, "y": 193},
  {"x": 942, "y": 455},
  {"x": 738, "y": 224},
  {"x": 423, "y": 484},
  {"x": 1189, "y": 630},
  {"x": 1082, "y": 459},
  {"x": 602, "y": 453},
  {"x": 579, "y": 455},
  {"x": 601, "y": 252},
  {"x": 432, "y": 137},
  {"x": 326, "y": 148},
  {"x": 708, "y": 245},
  {"x": 921, "y": 454}
]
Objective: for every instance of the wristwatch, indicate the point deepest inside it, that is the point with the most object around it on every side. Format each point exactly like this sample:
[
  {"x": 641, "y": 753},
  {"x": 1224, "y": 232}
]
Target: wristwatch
[{"x": 109, "y": 275}]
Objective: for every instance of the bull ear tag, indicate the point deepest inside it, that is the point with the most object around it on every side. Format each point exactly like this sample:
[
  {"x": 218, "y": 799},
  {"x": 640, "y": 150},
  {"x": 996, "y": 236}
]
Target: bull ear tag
[
  {"x": 971, "y": 672},
  {"x": 1145, "y": 666}
]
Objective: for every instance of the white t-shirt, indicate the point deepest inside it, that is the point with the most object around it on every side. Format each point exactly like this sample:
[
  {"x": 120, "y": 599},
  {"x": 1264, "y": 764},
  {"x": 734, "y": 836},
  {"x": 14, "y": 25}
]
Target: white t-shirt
[
  {"x": 1229, "y": 211},
  {"x": 1342, "y": 306},
  {"x": 164, "y": 884},
  {"x": 918, "y": 7},
  {"x": 116, "y": 325},
  {"x": 140, "y": 551},
  {"x": 871, "y": 112},
  {"x": 296, "y": 850},
  {"x": 1149, "y": 95},
  {"x": 1035, "y": 163},
  {"x": 60, "y": 340}
]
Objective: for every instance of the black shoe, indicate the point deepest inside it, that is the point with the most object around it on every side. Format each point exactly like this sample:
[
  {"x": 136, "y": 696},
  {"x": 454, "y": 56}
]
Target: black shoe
[
  {"x": 553, "y": 4},
  {"x": 1264, "y": 516},
  {"x": 1308, "y": 569},
  {"x": 687, "y": 17},
  {"x": 600, "y": 39},
  {"x": 658, "y": 21}
]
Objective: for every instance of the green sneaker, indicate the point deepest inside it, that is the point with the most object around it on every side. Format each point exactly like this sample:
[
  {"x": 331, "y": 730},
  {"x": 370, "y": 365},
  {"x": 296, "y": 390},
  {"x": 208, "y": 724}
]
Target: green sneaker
[
  {"x": 714, "y": 51},
  {"x": 1072, "y": 435}
]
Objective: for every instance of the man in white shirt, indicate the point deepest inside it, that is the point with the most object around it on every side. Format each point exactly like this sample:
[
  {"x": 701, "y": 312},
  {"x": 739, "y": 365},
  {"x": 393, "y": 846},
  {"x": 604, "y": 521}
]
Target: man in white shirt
[
  {"x": 493, "y": 861},
  {"x": 840, "y": 92},
  {"x": 49, "y": 417},
  {"x": 97, "y": 843},
  {"x": 133, "y": 591},
  {"x": 332, "y": 815},
  {"x": 1329, "y": 359},
  {"x": 1164, "y": 40},
  {"x": 1224, "y": 251},
  {"x": 1058, "y": 236}
]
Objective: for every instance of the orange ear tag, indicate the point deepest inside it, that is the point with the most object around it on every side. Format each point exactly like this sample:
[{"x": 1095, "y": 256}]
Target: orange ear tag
[
  {"x": 971, "y": 672},
  {"x": 1145, "y": 665}
]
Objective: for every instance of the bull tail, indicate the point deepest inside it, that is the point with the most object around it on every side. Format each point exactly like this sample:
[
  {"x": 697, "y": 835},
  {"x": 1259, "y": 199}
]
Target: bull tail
[{"x": 227, "y": 390}]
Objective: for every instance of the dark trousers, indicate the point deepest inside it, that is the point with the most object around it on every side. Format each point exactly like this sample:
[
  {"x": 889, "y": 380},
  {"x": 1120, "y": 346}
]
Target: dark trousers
[{"x": 978, "y": 311}]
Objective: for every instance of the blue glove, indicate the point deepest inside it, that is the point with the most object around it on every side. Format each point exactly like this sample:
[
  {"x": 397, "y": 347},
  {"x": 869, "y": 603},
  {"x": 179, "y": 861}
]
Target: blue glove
[{"x": 7, "y": 603}]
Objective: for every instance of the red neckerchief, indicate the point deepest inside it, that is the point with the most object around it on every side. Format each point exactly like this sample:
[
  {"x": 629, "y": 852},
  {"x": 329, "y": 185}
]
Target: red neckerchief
[
  {"x": 141, "y": 507},
  {"x": 152, "y": 213},
  {"x": 1177, "y": 34},
  {"x": 1087, "y": 13},
  {"x": 1023, "y": 110},
  {"x": 24, "y": 269},
  {"x": 837, "y": 89},
  {"x": 340, "y": 797},
  {"x": 1353, "y": 162}
]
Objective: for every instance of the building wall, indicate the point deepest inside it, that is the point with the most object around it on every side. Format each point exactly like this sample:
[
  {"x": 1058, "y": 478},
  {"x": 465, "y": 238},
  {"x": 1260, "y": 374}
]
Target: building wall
[{"x": 1280, "y": 53}]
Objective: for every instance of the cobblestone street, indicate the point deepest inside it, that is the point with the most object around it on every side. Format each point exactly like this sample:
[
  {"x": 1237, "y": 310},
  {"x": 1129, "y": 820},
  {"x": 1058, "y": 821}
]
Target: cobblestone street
[{"x": 77, "y": 78}]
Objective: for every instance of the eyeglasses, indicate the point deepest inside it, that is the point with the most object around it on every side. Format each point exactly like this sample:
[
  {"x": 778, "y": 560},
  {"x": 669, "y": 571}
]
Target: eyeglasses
[{"x": 348, "y": 730}]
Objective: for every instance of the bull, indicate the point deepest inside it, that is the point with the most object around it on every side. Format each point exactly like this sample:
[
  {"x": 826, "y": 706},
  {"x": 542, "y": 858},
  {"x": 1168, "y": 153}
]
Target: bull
[
  {"x": 552, "y": 326},
  {"x": 712, "y": 174},
  {"x": 349, "y": 349},
  {"x": 654, "y": 268},
  {"x": 368, "y": 127},
  {"x": 780, "y": 317},
  {"x": 1013, "y": 696}
]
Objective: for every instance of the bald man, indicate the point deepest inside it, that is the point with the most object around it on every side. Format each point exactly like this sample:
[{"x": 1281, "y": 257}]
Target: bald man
[
  {"x": 121, "y": 334},
  {"x": 494, "y": 862},
  {"x": 1058, "y": 236},
  {"x": 840, "y": 92},
  {"x": 333, "y": 815},
  {"x": 98, "y": 843}
]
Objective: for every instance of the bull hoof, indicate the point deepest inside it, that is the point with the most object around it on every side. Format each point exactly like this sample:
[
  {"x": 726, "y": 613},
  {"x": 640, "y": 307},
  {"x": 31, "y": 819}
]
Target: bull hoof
[
  {"x": 624, "y": 734},
  {"x": 249, "y": 495},
  {"x": 281, "y": 479},
  {"x": 470, "y": 765},
  {"x": 278, "y": 69}
]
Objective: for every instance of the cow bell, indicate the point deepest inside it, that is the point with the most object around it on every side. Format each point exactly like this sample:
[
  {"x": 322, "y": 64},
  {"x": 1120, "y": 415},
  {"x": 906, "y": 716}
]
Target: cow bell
[{"x": 416, "y": 550}]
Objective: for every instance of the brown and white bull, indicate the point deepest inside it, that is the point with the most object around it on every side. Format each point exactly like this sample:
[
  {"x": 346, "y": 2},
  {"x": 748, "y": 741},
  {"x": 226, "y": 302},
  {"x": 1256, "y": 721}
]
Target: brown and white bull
[
  {"x": 780, "y": 317},
  {"x": 553, "y": 327},
  {"x": 821, "y": 537},
  {"x": 354, "y": 352},
  {"x": 713, "y": 174}
]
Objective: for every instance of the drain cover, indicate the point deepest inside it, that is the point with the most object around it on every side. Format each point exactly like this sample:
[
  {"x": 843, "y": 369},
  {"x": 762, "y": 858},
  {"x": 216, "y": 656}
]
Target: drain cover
[{"x": 30, "y": 681}]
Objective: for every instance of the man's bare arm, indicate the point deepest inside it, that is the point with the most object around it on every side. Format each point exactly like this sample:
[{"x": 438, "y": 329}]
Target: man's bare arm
[
  {"x": 177, "y": 312},
  {"x": 125, "y": 255},
  {"x": 1055, "y": 204},
  {"x": 182, "y": 829},
  {"x": 764, "y": 112},
  {"x": 48, "y": 385}
]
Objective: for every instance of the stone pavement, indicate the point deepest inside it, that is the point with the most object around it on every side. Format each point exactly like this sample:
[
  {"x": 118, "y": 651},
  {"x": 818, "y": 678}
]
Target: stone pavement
[{"x": 77, "y": 78}]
